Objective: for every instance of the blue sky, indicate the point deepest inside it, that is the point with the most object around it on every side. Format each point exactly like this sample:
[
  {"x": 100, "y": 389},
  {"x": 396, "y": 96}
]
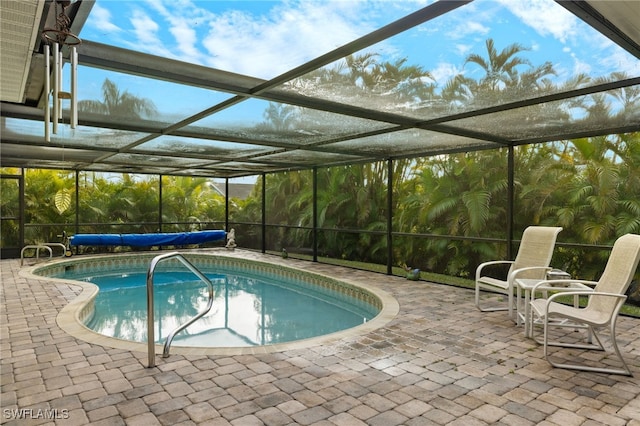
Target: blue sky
[{"x": 265, "y": 38}]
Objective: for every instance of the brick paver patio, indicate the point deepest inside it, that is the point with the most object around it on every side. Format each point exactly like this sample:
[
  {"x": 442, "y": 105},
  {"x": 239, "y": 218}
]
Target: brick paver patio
[{"x": 438, "y": 362}]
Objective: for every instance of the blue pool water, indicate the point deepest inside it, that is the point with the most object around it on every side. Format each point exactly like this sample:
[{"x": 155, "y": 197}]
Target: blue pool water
[{"x": 247, "y": 310}]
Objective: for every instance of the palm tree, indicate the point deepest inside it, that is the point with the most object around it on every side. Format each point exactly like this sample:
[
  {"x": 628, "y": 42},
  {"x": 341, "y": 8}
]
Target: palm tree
[
  {"x": 360, "y": 69},
  {"x": 279, "y": 117},
  {"x": 407, "y": 82},
  {"x": 192, "y": 199},
  {"x": 501, "y": 78},
  {"x": 117, "y": 103},
  {"x": 458, "y": 91},
  {"x": 289, "y": 203},
  {"x": 628, "y": 97},
  {"x": 500, "y": 68},
  {"x": 43, "y": 202},
  {"x": 502, "y": 82},
  {"x": 457, "y": 194},
  {"x": 627, "y": 148}
]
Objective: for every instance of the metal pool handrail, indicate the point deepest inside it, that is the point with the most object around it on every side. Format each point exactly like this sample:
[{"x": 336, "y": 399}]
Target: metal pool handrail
[{"x": 150, "y": 309}]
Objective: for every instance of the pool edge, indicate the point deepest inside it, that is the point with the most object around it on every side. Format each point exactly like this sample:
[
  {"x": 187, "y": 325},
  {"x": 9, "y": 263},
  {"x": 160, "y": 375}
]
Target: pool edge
[{"x": 69, "y": 317}]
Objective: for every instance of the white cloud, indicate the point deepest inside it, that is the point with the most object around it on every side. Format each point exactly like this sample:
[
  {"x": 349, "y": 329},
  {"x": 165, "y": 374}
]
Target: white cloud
[
  {"x": 269, "y": 38},
  {"x": 265, "y": 46},
  {"x": 622, "y": 61},
  {"x": 444, "y": 71},
  {"x": 186, "y": 40},
  {"x": 466, "y": 22},
  {"x": 468, "y": 28},
  {"x": 145, "y": 28},
  {"x": 462, "y": 49},
  {"x": 182, "y": 22},
  {"x": 263, "y": 41},
  {"x": 100, "y": 18},
  {"x": 579, "y": 66},
  {"x": 157, "y": 31},
  {"x": 545, "y": 17}
]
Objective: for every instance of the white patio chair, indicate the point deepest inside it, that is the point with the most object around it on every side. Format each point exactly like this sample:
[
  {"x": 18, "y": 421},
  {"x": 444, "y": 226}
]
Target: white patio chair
[
  {"x": 532, "y": 261},
  {"x": 602, "y": 308}
]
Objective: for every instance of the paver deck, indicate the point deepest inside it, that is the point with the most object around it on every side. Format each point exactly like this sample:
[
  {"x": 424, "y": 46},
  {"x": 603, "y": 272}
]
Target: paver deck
[{"x": 438, "y": 362}]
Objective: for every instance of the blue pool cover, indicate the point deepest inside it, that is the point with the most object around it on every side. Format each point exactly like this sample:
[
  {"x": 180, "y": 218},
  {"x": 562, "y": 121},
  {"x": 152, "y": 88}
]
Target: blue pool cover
[{"x": 147, "y": 240}]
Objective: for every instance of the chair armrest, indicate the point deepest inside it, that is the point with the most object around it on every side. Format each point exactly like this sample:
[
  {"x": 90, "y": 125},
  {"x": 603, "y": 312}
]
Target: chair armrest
[
  {"x": 492, "y": 262},
  {"x": 622, "y": 298},
  {"x": 585, "y": 293},
  {"x": 564, "y": 283},
  {"x": 542, "y": 310},
  {"x": 513, "y": 274},
  {"x": 561, "y": 286}
]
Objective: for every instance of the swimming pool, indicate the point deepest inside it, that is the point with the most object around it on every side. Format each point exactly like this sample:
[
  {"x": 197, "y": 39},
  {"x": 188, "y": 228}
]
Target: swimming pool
[
  {"x": 256, "y": 305},
  {"x": 248, "y": 310}
]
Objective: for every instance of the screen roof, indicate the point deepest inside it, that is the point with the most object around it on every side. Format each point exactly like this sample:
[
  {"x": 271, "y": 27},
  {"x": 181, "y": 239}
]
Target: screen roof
[{"x": 232, "y": 89}]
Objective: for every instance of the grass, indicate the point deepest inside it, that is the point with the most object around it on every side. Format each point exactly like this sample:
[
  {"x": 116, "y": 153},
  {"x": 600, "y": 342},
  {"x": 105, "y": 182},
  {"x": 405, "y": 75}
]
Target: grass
[{"x": 627, "y": 309}]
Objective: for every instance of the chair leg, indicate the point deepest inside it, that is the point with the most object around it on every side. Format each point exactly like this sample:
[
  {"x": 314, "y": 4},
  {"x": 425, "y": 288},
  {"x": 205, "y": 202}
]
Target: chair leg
[
  {"x": 590, "y": 332},
  {"x": 481, "y": 309},
  {"x": 614, "y": 343},
  {"x": 623, "y": 371},
  {"x": 510, "y": 307}
]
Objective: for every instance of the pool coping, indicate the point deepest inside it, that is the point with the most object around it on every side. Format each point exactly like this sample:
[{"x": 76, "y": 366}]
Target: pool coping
[{"x": 70, "y": 317}]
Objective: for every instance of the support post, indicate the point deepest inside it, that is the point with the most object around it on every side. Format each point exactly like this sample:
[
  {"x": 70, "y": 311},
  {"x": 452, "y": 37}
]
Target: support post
[
  {"x": 314, "y": 231},
  {"x": 510, "y": 200},
  {"x": 389, "y": 217},
  {"x": 264, "y": 213}
]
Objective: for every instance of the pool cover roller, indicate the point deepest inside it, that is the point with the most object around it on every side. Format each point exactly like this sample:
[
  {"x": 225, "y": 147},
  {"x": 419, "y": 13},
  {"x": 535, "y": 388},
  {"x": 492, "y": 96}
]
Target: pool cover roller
[{"x": 147, "y": 240}]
